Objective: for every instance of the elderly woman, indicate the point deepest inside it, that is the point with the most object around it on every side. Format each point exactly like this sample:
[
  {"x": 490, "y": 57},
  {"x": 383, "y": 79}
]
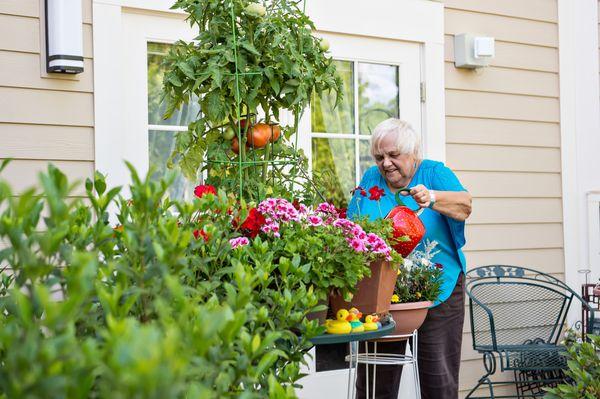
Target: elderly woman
[{"x": 396, "y": 149}]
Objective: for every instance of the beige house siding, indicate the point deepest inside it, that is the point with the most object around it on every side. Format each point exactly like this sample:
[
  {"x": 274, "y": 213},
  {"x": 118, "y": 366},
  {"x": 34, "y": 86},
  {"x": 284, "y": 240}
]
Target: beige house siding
[
  {"x": 503, "y": 140},
  {"x": 42, "y": 119}
]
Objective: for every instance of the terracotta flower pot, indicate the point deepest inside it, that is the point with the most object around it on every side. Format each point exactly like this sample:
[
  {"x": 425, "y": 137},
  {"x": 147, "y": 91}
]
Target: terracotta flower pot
[
  {"x": 409, "y": 316},
  {"x": 372, "y": 293},
  {"x": 320, "y": 315}
]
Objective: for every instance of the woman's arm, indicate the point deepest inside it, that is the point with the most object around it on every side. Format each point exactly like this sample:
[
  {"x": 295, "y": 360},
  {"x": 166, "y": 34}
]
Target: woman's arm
[{"x": 454, "y": 204}]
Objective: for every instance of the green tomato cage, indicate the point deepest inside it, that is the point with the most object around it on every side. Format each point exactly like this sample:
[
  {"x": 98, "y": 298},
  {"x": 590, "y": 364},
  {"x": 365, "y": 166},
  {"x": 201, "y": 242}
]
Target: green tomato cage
[{"x": 267, "y": 162}]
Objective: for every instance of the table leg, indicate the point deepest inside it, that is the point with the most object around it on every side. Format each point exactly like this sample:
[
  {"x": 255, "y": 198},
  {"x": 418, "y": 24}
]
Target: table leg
[
  {"x": 366, "y": 368},
  {"x": 374, "y": 370},
  {"x": 353, "y": 349},
  {"x": 416, "y": 364}
]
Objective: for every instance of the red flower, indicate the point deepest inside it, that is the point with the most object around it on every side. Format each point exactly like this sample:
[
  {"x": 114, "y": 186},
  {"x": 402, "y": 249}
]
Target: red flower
[
  {"x": 341, "y": 212},
  {"x": 360, "y": 190},
  {"x": 439, "y": 265},
  {"x": 376, "y": 193},
  {"x": 296, "y": 204},
  {"x": 201, "y": 233},
  {"x": 202, "y": 189},
  {"x": 253, "y": 223}
]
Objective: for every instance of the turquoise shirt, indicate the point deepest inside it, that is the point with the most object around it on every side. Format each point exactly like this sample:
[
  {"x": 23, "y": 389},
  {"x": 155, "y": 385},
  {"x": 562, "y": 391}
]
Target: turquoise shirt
[{"x": 447, "y": 232}]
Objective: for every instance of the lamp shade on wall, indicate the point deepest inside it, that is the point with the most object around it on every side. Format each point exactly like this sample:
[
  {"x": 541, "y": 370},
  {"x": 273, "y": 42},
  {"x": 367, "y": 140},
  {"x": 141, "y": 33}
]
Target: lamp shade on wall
[{"x": 64, "y": 36}]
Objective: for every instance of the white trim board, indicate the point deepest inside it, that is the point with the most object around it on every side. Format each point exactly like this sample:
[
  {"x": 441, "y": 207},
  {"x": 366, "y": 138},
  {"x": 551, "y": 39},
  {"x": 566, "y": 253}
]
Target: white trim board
[{"x": 580, "y": 129}]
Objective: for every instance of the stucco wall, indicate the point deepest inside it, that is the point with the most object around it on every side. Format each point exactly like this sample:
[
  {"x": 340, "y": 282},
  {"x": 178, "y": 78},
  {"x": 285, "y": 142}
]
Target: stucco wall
[
  {"x": 503, "y": 140},
  {"x": 42, "y": 118}
]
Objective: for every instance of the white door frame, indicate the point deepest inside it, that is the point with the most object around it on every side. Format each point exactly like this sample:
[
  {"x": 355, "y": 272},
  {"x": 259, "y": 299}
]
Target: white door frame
[
  {"x": 120, "y": 136},
  {"x": 419, "y": 21}
]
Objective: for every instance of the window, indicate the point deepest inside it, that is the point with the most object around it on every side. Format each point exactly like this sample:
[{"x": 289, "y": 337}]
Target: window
[
  {"x": 340, "y": 136},
  {"x": 162, "y": 132}
]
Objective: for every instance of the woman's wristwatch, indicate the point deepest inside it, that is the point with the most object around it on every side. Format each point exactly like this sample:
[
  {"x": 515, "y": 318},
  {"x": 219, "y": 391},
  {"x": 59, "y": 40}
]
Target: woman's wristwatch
[{"x": 431, "y": 199}]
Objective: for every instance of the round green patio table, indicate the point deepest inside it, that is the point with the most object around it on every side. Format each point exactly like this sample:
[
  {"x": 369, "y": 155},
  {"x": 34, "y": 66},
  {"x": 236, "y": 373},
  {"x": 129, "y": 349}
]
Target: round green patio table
[{"x": 352, "y": 340}]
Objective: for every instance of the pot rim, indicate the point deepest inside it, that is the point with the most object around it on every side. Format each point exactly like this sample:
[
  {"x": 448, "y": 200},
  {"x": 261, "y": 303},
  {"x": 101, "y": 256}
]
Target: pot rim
[{"x": 411, "y": 305}]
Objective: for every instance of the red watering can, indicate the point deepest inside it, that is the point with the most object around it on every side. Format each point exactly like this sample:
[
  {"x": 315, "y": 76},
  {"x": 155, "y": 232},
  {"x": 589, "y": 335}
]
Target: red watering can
[{"x": 408, "y": 228}]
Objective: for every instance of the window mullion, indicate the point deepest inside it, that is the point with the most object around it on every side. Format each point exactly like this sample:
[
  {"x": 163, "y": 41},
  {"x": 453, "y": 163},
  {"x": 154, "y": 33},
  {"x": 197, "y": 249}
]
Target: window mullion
[{"x": 356, "y": 126}]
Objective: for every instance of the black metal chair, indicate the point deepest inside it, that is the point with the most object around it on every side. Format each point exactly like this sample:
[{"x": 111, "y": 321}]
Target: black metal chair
[{"x": 517, "y": 321}]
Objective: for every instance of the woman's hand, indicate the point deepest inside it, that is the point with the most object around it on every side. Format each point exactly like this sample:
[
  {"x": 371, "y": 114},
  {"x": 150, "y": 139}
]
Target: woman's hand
[
  {"x": 454, "y": 204},
  {"x": 420, "y": 194}
]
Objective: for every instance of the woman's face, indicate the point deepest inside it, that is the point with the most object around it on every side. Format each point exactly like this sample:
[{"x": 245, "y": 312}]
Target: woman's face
[{"x": 397, "y": 169}]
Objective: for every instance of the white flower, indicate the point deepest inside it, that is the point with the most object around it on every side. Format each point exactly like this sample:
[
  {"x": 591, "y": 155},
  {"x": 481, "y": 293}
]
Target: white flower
[
  {"x": 425, "y": 262},
  {"x": 408, "y": 264}
]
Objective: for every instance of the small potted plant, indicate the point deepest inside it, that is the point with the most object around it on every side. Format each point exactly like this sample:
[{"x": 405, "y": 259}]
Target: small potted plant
[{"x": 418, "y": 285}]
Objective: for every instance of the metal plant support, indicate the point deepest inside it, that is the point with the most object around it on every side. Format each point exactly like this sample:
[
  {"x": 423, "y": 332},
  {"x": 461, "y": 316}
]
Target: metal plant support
[{"x": 269, "y": 162}]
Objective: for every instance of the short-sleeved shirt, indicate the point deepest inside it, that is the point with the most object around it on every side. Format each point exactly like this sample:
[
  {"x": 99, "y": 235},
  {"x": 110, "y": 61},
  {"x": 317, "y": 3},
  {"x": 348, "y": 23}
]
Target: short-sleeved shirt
[{"x": 447, "y": 232}]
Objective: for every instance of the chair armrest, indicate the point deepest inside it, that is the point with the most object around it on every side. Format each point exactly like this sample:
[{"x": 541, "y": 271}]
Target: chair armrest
[{"x": 490, "y": 320}]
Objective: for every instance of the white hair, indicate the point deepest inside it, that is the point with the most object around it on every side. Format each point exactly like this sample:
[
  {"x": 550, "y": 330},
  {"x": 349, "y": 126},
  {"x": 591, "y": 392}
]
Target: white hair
[{"x": 407, "y": 140}]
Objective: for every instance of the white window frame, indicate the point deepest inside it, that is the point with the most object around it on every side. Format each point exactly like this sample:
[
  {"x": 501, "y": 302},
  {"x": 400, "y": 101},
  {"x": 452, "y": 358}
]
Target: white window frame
[
  {"x": 356, "y": 137},
  {"x": 419, "y": 21}
]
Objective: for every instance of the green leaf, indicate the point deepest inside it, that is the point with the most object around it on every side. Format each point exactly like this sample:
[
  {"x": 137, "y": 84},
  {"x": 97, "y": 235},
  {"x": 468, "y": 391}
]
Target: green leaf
[
  {"x": 275, "y": 85},
  {"x": 186, "y": 69},
  {"x": 174, "y": 80},
  {"x": 266, "y": 362},
  {"x": 214, "y": 106},
  {"x": 4, "y": 163},
  {"x": 250, "y": 48}
]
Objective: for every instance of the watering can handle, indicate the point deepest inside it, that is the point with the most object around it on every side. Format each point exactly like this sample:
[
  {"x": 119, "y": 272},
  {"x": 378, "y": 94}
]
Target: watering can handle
[{"x": 401, "y": 203}]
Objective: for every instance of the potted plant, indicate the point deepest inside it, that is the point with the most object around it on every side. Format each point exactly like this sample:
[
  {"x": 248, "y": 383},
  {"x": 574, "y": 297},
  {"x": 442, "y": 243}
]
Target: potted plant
[
  {"x": 418, "y": 285},
  {"x": 328, "y": 251},
  {"x": 250, "y": 63}
]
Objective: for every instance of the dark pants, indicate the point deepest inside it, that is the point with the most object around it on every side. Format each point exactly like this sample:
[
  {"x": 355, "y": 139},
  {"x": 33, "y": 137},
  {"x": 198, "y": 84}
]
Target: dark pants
[{"x": 440, "y": 339}]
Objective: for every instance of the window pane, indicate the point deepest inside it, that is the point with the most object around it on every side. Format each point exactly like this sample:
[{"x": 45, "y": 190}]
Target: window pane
[
  {"x": 161, "y": 144},
  {"x": 377, "y": 94},
  {"x": 156, "y": 108},
  {"x": 364, "y": 154},
  {"x": 327, "y": 119},
  {"x": 335, "y": 159}
]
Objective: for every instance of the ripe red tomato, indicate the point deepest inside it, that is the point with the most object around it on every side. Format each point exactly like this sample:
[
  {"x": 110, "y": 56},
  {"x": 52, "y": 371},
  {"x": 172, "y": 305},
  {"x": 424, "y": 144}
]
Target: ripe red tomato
[
  {"x": 276, "y": 133},
  {"x": 261, "y": 133},
  {"x": 258, "y": 135}
]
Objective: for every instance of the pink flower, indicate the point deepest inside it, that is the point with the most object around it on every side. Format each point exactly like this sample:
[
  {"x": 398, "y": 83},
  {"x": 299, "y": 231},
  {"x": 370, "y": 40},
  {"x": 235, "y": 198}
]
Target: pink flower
[
  {"x": 271, "y": 226},
  {"x": 314, "y": 220},
  {"x": 326, "y": 208},
  {"x": 357, "y": 245},
  {"x": 238, "y": 242}
]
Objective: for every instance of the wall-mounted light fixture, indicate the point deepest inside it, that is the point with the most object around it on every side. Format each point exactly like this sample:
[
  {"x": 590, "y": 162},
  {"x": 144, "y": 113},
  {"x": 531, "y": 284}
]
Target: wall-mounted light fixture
[
  {"x": 472, "y": 51},
  {"x": 64, "y": 36}
]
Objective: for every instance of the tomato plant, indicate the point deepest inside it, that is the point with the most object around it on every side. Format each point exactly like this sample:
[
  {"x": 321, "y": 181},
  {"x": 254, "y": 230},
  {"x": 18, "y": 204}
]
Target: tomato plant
[{"x": 271, "y": 65}]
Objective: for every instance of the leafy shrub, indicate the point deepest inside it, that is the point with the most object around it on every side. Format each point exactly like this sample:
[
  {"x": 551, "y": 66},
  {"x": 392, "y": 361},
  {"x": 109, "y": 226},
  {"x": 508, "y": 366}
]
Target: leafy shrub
[
  {"x": 143, "y": 310},
  {"x": 583, "y": 372}
]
